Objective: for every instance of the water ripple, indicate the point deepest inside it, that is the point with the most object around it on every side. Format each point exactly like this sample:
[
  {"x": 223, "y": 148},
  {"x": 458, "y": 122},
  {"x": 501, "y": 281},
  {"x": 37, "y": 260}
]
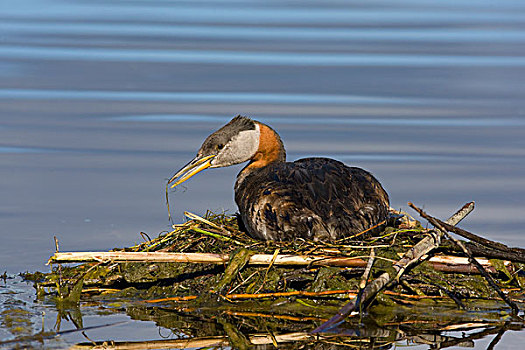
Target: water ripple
[
  {"x": 267, "y": 58},
  {"x": 267, "y": 33},
  {"x": 24, "y": 150},
  {"x": 260, "y": 14},
  {"x": 324, "y": 121},
  {"x": 348, "y": 157},
  {"x": 213, "y": 97}
]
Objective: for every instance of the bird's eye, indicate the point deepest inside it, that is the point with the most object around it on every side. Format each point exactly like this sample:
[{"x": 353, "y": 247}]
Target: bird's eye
[{"x": 220, "y": 146}]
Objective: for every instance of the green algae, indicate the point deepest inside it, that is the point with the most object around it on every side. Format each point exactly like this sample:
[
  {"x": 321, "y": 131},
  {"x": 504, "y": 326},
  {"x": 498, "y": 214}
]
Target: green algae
[
  {"x": 138, "y": 272},
  {"x": 238, "y": 260},
  {"x": 17, "y": 321}
]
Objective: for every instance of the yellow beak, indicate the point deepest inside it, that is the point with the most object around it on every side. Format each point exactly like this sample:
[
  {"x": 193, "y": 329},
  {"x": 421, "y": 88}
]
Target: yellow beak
[{"x": 198, "y": 164}]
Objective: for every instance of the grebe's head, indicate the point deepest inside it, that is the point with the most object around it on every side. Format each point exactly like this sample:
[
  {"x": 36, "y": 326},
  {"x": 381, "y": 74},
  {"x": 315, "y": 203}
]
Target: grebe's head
[{"x": 234, "y": 143}]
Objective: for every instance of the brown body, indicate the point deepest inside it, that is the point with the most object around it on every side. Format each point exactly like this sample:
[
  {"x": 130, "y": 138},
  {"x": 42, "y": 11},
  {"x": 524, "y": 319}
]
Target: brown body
[{"x": 313, "y": 198}]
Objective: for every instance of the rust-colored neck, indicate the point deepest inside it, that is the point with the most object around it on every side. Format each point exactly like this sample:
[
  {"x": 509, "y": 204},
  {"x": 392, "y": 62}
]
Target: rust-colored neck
[{"x": 270, "y": 149}]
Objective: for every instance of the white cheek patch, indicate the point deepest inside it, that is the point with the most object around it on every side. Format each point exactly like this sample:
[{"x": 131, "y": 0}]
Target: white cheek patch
[{"x": 240, "y": 149}]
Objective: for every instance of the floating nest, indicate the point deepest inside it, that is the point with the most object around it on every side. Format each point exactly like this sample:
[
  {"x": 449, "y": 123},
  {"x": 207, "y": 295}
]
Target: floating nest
[{"x": 283, "y": 288}]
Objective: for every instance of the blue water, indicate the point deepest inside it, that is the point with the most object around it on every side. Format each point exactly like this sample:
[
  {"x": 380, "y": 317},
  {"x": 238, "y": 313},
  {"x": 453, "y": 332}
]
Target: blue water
[
  {"x": 101, "y": 101},
  {"x": 258, "y": 58},
  {"x": 438, "y": 35},
  {"x": 208, "y": 97}
]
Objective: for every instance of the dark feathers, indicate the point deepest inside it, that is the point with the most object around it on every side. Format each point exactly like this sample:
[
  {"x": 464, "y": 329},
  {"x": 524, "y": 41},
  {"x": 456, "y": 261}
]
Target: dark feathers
[{"x": 313, "y": 198}]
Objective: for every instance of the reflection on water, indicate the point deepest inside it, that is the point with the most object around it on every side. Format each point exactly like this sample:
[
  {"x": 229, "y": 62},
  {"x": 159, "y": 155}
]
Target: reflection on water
[
  {"x": 101, "y": 100},
  {"x": 168, "y": 326}
]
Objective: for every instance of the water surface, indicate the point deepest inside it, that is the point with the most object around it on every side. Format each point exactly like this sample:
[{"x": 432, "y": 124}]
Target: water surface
[{"x": 101, "y": 101}]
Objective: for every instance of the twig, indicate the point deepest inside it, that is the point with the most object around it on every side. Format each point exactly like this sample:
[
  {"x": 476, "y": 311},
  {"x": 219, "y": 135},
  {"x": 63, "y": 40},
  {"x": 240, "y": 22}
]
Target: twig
[
  {"x": 484, "y": 273},
  {"x": 422, "y": 248},
  {"x": 364, "y": 280},
  {"x": 256, "y": 259},
  {"x": 280, "y": 317},
  {"x": 439, "y": 263},
  {"x": 348, "y": 292},
  {"x": 362, "y": 232},
  {"x": 184, "y": 298},
  {"x": 244, "y": 281},
  {"x": 518, "y": 254},
  {"x": 368, "y": 269},
  {"x": 293, "y": 293},
  {"x": 301, "y": 293},
  {"x": 480, "y": 250},
  {"x": 429, "y": 243}
]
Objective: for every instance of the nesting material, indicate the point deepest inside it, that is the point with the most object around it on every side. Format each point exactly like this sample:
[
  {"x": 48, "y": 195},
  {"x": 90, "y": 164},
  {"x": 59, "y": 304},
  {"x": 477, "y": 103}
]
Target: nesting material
[{"x": 208, "y": 263}]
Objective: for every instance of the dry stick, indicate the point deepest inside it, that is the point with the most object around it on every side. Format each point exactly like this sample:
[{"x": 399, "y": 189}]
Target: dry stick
[
  {"x": 484, "y": 273},
  {"x": 364, "y": 279},
  {"x": 185, "y": 298},
  {"x": 491, "y": 253},
  {"x": 514, "y": 253},
  {"x": 362, "y": 232},
  {"x": 256, "y": 259},
  {"x": 280, "y": 317},
  {"x": 422, "y": 248},
  {"x": 348, "y": 292},
  {"x": 429, "y": 243},
  {"x": 368, "y": 269},
  {"x": 439, "y": 263},
  {"x": 294, "y": 293},
  {"x": 244, "y": 281},
  {"x": 262, "y": 295}
]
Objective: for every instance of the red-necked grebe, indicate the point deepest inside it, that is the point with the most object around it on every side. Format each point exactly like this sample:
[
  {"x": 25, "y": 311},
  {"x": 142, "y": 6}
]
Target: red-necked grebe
[{"x": 314, "y": 198}]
